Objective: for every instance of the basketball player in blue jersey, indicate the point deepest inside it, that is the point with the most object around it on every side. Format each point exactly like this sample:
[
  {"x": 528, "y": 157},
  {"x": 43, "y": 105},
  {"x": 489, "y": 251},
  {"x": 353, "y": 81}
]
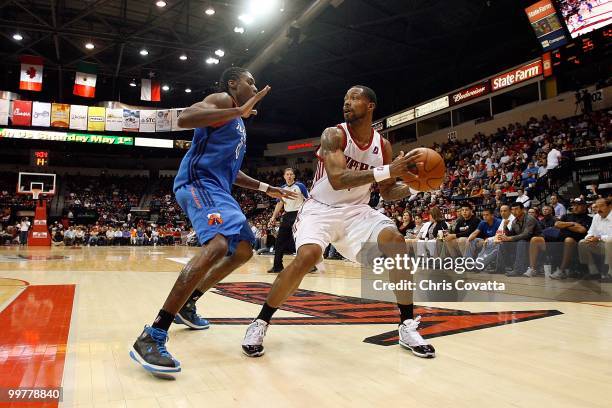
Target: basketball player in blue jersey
[{"x": 203, "y": 189}]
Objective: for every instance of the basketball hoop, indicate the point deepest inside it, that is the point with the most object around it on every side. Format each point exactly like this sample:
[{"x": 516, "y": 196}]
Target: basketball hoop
[{"x": 36, "y": 192}]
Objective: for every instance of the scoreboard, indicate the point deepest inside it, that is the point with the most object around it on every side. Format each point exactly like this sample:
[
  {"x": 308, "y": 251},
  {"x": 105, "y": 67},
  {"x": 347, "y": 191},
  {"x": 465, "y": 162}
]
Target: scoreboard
[{"x": 39, "y": 158}]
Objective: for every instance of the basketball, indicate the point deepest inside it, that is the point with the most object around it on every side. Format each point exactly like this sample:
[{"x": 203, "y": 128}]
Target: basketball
[{"x": 430, "y": 171}]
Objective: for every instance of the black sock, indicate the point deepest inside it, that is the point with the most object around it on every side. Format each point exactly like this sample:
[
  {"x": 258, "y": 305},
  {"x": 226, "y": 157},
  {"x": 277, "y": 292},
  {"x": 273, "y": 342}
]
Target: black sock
[
  {"x": 406, "y": 312},
  {"x": 193, "y": 298},
  {"x": 266, "y": 312},
  {"x": 163, "y": 320}
]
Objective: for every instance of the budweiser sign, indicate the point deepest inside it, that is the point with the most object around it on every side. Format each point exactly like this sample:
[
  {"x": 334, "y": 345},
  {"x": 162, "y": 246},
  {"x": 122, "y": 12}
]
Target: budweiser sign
[
  {"x": 469, "y": 93},
  {"x": 517, "y": 75}
]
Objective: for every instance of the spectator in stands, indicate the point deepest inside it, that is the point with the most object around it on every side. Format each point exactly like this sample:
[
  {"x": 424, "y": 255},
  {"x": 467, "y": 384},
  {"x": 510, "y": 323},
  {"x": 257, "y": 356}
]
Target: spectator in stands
[
  {"x": 559, "y": 208},
  {"x": 516, "y": 240},
  {"x": 126, "y": 236},
  {"x": 139, "y": 236},
  {"x": 523, "y": 198},
  {"x": 427, "y": 238},
  {"x": 457, "y": 242},
  {"x": 57, "y": 238},
  {"x": 69, "y": 236},
  {"x": 24, "y": 226},
  {"x": 548, "y": 218},
  {"x": 155, "y": 237},
  {"x": 553, "y": 159},
  {"x": 133, "y": 236},
  {"x": 530, "y": 175},
  {"x": 93, "y": 237},
  {"x": 572, "y": 227},
  {"x": 592, "y": 194},
  {"x": 406, "y": 224},
  {"x": 118, "y": 237},
  {"x": 487, "y": 228},
  {"x": 79, "y": 236},
  {"x": 110, "y": 237},
  {"x": 596, "y": 248},
  {"x": 491, "y": 246}
]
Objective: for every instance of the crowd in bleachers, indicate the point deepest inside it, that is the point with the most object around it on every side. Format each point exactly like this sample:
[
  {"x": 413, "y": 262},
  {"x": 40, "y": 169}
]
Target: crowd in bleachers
[
  {"x": 489, "y": 173},
  {"x": 109, "y": 197}
]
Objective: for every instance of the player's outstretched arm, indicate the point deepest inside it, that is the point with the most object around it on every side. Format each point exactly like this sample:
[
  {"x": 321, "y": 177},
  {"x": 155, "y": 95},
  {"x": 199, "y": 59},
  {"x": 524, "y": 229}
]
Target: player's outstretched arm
[
  {"x": 244, "y": 181},
  {"x": 341, "y": 178},
  {"x": 391, "y": 189},
  {"x": 217, "y": 109}
]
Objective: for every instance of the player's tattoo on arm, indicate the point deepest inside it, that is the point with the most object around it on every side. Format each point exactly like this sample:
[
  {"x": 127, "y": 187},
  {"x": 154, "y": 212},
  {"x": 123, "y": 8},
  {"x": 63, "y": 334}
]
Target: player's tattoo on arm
[
  {"x": 332, "y": 152},
  {"x": 391, "y": 190}
]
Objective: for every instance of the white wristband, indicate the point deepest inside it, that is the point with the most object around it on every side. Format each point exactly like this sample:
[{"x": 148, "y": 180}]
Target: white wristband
[
  {"x": 382, "y": 173},
  {"x": 263, "y": 187}
]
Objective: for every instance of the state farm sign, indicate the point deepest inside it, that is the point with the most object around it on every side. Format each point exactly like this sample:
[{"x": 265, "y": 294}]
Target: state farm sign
[
  {"x": 469, "y": 93},
  {"x": 517, "y": 75}
]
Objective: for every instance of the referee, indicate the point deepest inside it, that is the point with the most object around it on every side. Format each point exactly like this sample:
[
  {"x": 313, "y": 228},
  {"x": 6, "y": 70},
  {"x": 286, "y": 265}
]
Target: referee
[{"x": 285, "y": 242}]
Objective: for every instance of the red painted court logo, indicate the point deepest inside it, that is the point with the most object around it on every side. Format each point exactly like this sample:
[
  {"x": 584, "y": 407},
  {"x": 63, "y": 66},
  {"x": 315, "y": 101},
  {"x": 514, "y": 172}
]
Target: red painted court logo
[
  {"x": 215, "y": 219},
  {"x": 326, "y": 308}
]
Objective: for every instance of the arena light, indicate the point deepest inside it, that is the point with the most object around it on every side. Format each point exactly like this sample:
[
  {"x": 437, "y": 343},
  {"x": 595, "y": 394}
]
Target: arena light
[
  {"x": 165, "y": 88},
  {"x": 161, "y": 4},
  {"x": 144, "y": 52},
  {"x": 209, "y": 11},
  {"x": 17, "y": 37},
  {"x": 90, "y": 46},
  {"x": 261, "y": 7},
  {"x": 239, "y": 30},
  {"x": 188, "y": 90},
  {"x": 211, "y": 60},
  {"x": 133, "y": 83},
  {"x": 246, "y": 18},
  {"x": 219, "y": 53},
  {"x": 183, "y": 57}
]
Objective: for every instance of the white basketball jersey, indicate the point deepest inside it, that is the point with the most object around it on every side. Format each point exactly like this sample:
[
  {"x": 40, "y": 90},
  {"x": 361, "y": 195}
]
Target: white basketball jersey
[{"x": 357, "y": 158}]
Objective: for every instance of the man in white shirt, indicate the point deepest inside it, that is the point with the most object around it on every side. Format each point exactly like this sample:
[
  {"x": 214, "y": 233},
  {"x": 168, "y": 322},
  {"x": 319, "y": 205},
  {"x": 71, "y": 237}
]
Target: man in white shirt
[
  {"x": 596, "y": 248},
  {"x": 553, "y": 158},
  {"x": 523, "y": 198},
  {"x": 24, "y": 226}
]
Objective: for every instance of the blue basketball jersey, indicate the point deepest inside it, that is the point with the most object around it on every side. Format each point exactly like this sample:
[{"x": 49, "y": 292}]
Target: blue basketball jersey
[{"x": 215, "y": 156}]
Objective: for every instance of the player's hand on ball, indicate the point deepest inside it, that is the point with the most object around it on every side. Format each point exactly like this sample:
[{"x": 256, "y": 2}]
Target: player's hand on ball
[
  {"x": 276, "y": 192},
  {"x": 248, "y": 108},
  {"x": 400, "y": 167}
]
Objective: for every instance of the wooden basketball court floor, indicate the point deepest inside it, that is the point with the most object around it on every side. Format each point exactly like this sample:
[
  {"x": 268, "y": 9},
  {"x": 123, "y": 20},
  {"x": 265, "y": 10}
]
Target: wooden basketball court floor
[{"x": 69, "y": 315}]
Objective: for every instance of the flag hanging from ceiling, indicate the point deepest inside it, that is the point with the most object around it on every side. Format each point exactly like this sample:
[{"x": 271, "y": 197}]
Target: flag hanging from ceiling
[
  {"x": 150, "y": 90},
  {"x": 85, "y": 80},
  {"x": 31, "y": 73}
]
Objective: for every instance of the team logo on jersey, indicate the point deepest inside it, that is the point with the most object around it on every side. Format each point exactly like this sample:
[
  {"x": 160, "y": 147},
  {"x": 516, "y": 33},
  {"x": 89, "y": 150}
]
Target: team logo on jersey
[
  {"x": 327, "y": 308},
  {"x": 215, "y": 219},
  {"x": 375, "y": 150}
]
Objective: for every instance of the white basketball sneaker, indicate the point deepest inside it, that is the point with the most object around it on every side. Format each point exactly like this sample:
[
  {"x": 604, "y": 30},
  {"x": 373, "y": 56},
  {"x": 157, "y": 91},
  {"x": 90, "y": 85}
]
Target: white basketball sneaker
[
  {"x": 252, "y": 345},
  {"x": 530, "y": 272},
  {"x": 410, "y": 338}
]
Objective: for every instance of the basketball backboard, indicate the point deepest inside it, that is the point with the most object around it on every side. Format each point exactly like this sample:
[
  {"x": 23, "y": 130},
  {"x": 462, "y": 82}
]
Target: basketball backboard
[{"x": 28, "y": 183}]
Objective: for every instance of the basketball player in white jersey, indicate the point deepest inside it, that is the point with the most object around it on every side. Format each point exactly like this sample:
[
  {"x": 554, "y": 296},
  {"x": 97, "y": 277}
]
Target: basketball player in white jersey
[
  {"x": 352, "y": 156},
  {"x": 284, "y": 240}
]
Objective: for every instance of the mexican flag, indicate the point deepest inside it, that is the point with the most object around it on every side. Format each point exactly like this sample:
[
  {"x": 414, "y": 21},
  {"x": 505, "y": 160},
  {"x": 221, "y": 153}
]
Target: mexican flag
[
  {"x": 31, "y": 73},
  {"x": 85, "y": 80},
  {"x": 150, "y": 90}
]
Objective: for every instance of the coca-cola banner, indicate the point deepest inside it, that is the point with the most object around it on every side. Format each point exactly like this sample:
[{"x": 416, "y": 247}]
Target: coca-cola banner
[
  {"x": 22, "y": 113},
  {"x": 472, "y": 92},
  {"x": 528, "y": 71}
]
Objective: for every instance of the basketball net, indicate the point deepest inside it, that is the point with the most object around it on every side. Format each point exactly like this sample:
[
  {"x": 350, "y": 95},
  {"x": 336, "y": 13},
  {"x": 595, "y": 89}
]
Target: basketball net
[{"x": 35, "y": 193}]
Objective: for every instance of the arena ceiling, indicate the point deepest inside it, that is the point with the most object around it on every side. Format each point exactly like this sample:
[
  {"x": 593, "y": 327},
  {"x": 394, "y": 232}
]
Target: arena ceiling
[{"x": 407, "y": 50}]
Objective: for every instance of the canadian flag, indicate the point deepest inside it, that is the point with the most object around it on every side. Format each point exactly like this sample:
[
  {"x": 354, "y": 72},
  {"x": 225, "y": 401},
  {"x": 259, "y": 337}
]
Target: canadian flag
[
  {"x": 85, "y": 81},
  {"x": 31, "y": 73},
  {"x": 150, "y": 90}
]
